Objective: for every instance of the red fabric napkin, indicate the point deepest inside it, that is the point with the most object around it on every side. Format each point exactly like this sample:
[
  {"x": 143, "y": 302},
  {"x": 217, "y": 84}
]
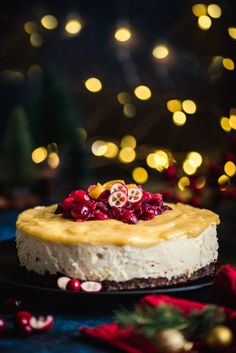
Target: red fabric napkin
[
  {"x": 127, "y": 340},
  {"x": 224, "y": 287}
]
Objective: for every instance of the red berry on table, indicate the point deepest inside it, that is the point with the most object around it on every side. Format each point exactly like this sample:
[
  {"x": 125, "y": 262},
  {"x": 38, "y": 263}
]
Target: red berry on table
[
  {"x": 100, "y": 216},
  {"x": 12, "y": 304},
  {"x": 3, "y": 325},
  {"x": 62, "y": 282},
  {"x": 41, "y": 323},
  {"x": 73, "y": 285},
  {"x": 22, "y": 319},
  {"x": 81, "y": 196}
]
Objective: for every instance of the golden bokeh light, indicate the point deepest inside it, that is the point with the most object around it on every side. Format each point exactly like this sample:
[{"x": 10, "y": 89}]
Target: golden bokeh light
[
  {"x": 228, "y": 64},
  {"x": 232, "y": 121},
  {"x": 189, "y": 106},
  {"x": 53, "y": 160},
  {"x": 223, "y": 180},
  {"x": 225, "y": 124},
  {"x": 232, "y": 32},
  {"x": 173, "y": 105},
  {"x": 122, "y": 34},
  {"x": 127, "y": 155},
  {"x": 73, "y": 26},
  {"x": 189, "y": 168},
  {"x": 82, "y": 133},
  {"x": 162, "y": 160},
  {"x": 160, "y": 51},
  {"x": 179, "y": 118},
  {"x": 183, "y": 183},
  {"x": 49, "y": 22},
  {"x": 195, "y": 159},
  {"x": 123, "y": 98},
  {"x": 128, "y": 141},
  {"x": 112, "y": 150},
  {"x": 129, "y": 110},
  {"x": 200, "y": 182},
  {"x": 30, "y": 27},
  {"x": 230, "y": 168},
  {"x": 140, "y": 175},
  {"x": 93, "y": 84},
  {"x": 204, "y": 22},
  {"x": 143, "y": 92},
  {"x": 39, "y": 155},
  {"x": 36, "y": 40},
  {"x": 214, "y": 10},
  {"x": 99, "y": 148},
  {"x": 199, "y": 10},
  {"x": 151, "y": 160}
]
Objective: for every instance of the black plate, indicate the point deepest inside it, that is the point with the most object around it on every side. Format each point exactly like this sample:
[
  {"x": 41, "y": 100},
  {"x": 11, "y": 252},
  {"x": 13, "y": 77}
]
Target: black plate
[{"x": 15, "y": 280}]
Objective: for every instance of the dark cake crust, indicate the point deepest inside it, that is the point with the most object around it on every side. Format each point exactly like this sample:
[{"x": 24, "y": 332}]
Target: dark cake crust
[{"x": 141, "y": 283}]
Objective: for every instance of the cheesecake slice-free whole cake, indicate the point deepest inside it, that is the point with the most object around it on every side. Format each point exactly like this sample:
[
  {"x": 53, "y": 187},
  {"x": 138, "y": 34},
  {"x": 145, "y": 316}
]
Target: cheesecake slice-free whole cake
[{"x": 119, "y": 235}]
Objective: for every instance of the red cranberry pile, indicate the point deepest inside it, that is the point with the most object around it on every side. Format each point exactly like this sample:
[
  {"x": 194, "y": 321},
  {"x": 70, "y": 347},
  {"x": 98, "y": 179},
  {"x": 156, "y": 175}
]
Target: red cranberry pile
[
  {"x": 120, "y": 202},
  {"x": 24, "y": 322}
]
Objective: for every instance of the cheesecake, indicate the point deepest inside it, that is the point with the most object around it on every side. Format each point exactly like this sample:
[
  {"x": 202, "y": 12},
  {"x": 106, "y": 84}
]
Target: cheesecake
[{"x": 121, "y": 236}]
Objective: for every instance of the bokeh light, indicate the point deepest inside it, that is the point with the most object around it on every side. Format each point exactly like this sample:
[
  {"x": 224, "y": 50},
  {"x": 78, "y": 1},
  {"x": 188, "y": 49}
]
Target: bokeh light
[
  {"x": 183, "y": 183},
  {"x": 53, "y": 160},
  {"x": 36, "y": 40},
  {"x": 123, "y": 98},
  {"x": 99, "y": 148},
  {"x": 160, "y": 51},
  {"x": 214, "y": 10},
  {"x": 232, "y": 121},
  {"x": 143, "y": 92},
  {"x": 127, "y": 155},
  {"x": 34, "y": 70},
  {"x": 140, "y": 175},
  {"x": 225, "y": 124},
  {"x": 73, "y": 26},
  {"x": 230, "y": 168},
  {"x": 189, "y": 106},
  {"x": 30, "y": 27},
  {"x": 39, "y": 155},
  {"x": 179, "y": 118},
  {"x": 199, "y": 10},
  {"x": 129, "y": 110},
  {"x": 93, "y": 84},
  {"x": 232, "y": 32},
  {"x": 204, "y": 22},
  {"x": 49, "y": 22},
  {"x": 228, "y": 64},
  {"x": 122, "y": 34},
  {"x": 195, "y": 159},
  {"x": 188, "y": 167},
  {"x": 173, "y": 105},
  {"x": 128, "y": 141},
  {"x": 223, "y": 180},
  {"x": 111, "y": 150}
]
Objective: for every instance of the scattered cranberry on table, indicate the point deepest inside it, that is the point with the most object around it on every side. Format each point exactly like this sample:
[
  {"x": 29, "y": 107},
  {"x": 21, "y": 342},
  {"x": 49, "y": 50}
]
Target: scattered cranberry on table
[
  {"x": 73, "y": 285},
  {"x": 3, "y": 325}
]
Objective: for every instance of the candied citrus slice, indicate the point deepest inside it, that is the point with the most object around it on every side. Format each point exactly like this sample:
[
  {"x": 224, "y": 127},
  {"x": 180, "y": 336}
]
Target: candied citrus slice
[
  {"x": 129, "y": 186},
  {"x": 108, "y": 184},
  {"x": 95, "y": 192}
]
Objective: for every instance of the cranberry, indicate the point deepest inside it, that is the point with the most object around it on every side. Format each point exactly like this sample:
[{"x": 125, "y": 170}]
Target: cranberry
[
  {"x": 101, "y": 206},
  {"x": 129, "y": 217},
  {"x": 73, "y": 285},
  {"x": 66, "y": 203},
  {"x": 22, "y": 320},
  {"x": 80, "y": 211},
  {"x": 147, "y": 196},
  {"x": 81, "y": 196},
  {"x": 3, "y": 325},
  {"x": 117, "y": 212},
  {"x": 25, "y": 330},
  {"x": 100, "y": 216},
  {"x": 43, "y": 323},
  {"x": 149, "y": 212},
  {"x": 104, "y": 196},
  {"x": 12, "y": 305}
]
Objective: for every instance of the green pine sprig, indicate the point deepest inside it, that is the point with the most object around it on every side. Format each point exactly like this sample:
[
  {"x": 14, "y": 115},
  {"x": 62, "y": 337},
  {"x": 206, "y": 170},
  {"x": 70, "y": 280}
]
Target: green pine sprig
[{"x": 148, "y": 320}]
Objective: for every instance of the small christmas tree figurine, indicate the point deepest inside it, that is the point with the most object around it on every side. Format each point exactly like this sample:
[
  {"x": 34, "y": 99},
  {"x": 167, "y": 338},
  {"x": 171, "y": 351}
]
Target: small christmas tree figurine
[
  {"x": 52, "y": 116},
  {"x": 16, "y": 165}
]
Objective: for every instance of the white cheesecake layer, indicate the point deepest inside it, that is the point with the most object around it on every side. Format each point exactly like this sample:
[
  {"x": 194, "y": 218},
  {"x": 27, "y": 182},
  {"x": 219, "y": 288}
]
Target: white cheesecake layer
[{"x": 170, "y": 258}]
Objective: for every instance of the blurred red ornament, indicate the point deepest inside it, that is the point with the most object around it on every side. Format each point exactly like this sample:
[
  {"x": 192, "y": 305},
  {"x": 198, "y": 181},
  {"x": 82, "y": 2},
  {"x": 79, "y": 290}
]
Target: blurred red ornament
[
  {"x": 167, "y": 194},
  {"x": 171, "y": 172},
  {"x": 230, "y": 157},
  {"x": 195, "y": 201}
]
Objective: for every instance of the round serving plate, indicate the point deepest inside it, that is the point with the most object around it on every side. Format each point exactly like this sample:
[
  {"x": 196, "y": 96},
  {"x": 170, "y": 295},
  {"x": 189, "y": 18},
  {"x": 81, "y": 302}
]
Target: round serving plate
[{"x": 14, "y": 280}]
